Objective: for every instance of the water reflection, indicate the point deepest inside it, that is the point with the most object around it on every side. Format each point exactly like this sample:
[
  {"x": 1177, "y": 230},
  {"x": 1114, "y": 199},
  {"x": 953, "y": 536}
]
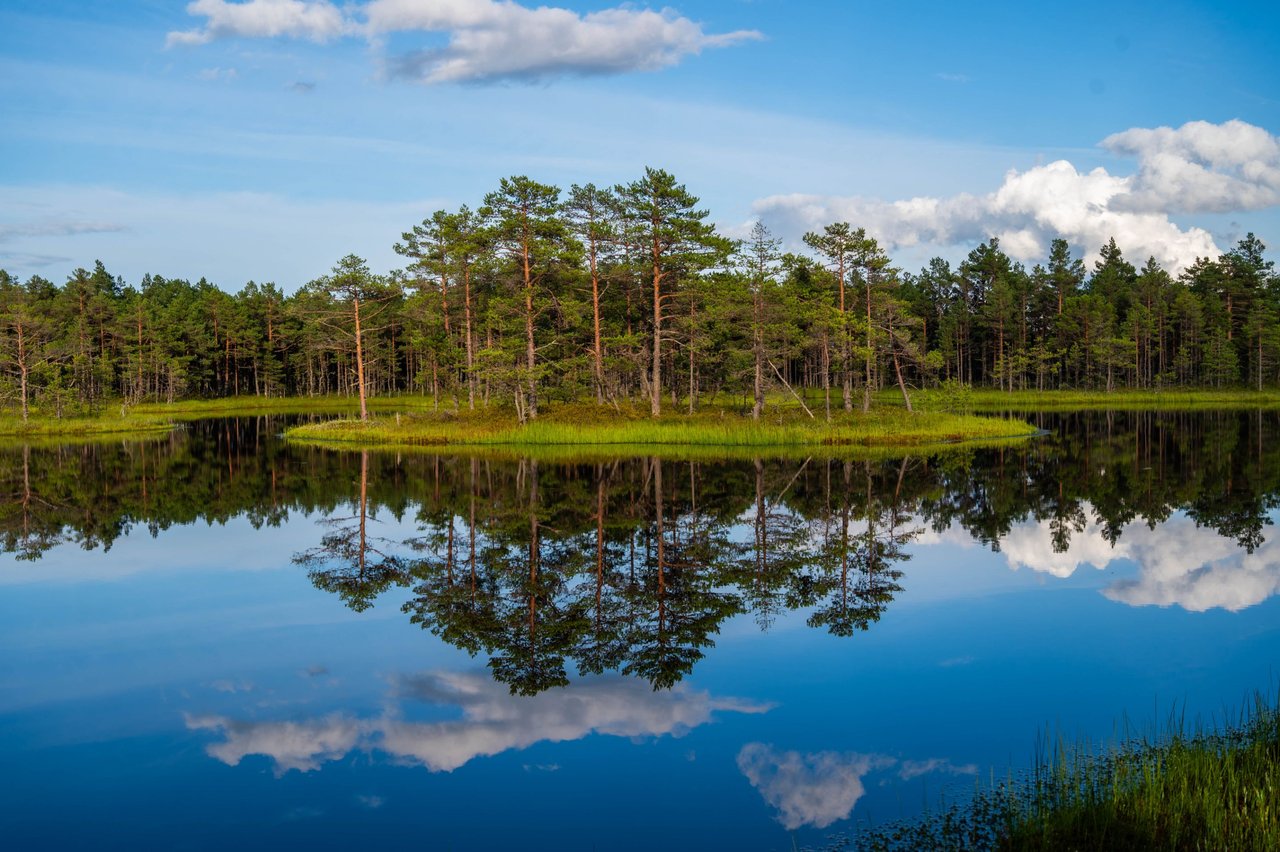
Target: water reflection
[
  {"x": 623, "y": 566},
  {"x": 631, "y": 566},
  {"x": 816, "y": 789},
  {"x": 617, "y": 575},
  {"x": 492, "y": 721}
]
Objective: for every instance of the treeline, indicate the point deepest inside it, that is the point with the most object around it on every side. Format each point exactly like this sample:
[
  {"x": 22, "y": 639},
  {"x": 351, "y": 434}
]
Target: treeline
[{"x": 630, "y": 293}]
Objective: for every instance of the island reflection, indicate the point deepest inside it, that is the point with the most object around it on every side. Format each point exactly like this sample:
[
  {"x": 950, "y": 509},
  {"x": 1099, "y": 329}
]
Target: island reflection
[{"x": 550, "y": 568}]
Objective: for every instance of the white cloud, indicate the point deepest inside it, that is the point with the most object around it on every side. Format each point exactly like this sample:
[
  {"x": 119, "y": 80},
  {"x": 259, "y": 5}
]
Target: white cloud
[
  {"x": 1197, "y": 168},
  {"x": 487, "y": 39},
  {"x": 303, "y": 746},
  {"x": 493, "y": 721},
  {"x": 1179, "y": 563},
  {"x": 316, "y": 20},
  {"x": 1200, "y": 167},
  {"x": 814, "y": 789},
  {"x": 1030, "y": 545}
]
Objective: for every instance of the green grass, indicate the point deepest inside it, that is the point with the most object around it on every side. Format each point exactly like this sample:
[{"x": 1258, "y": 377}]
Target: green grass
[
  {"x": 236, "y": 406},
  {"x": 1197, "y": 789},
  {"x": 987, "y": 399},
  {"x": 117, "y": 418},
  {"x": 107, "y": 424},
  {"x": 583, "y": 425},
  {"x": 721, "y": 423}
]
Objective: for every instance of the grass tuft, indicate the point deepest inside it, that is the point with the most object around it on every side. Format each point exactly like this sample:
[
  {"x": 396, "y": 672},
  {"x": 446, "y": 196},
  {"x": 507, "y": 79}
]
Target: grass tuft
[{"x": 1184, "y": 789}]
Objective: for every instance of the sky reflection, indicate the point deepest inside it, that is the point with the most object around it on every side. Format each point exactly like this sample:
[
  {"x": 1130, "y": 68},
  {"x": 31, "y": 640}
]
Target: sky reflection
[{"x": 493, "y": 721}]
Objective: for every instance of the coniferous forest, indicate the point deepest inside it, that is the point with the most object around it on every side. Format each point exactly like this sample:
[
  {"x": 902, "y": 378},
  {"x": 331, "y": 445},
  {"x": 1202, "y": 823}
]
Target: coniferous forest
[{"x": 540, "y": 295}]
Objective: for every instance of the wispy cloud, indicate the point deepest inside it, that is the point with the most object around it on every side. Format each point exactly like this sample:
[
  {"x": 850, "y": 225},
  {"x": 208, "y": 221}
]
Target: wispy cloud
[
  {"x": 915, "y": 768},
  {"x": 952, "y": 77},
  {"x": 1197, "y": 168},
  {"x": 275, "y": 239},
  {"x": 487, "y": 40},
  {"x": 55, "y": 228},
  {"x": 214, "y": 74}
]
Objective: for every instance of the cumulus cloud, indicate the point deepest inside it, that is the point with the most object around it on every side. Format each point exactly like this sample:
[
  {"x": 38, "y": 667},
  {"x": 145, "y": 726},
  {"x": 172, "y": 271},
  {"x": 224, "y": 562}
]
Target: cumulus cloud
[
  {"x": 487, "y": 40},
  {"x": 1200, "y": 167},
  {"x": 492, "y": 721},
  {"x": 1179, "y": 563},
  {"x": 316, "y": 20},
  {"x": 818, "y": 788},
  {"x": 813, "y": 789},
  {"x": 1197, "y": 168},
  {"x": 303, "y": 746}
]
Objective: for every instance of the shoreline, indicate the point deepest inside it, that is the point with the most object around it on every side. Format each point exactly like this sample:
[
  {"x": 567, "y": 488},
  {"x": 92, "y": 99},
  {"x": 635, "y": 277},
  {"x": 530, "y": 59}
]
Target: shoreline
[
  {"x": 942, "y": 418},
  {"x": 1181, "y": 787}
]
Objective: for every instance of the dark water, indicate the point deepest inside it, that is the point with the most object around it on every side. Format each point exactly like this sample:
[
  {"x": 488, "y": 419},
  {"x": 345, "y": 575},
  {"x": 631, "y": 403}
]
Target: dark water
[{"x": 216, "y": 639}]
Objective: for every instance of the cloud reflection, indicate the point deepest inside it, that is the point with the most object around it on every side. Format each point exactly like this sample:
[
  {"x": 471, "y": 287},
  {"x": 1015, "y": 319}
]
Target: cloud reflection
[
  {"x": 817, "y": 789},
  {"x": 492, "y": 721},
  {"x": 814, "y": 789},
  {"x": 1180, "y": 563}
]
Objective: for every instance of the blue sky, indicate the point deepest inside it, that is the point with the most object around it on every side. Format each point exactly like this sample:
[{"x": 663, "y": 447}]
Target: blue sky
[{"x": 263, "y": 140}]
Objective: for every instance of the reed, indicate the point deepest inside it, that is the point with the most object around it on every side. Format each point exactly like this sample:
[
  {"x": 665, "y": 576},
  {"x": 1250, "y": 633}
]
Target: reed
[{"x": 1183, "y": 788}]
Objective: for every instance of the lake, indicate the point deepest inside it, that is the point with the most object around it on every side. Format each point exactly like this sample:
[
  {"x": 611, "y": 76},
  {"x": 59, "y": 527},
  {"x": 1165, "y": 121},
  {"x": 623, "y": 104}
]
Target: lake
[{"x": 217, "y": 639}]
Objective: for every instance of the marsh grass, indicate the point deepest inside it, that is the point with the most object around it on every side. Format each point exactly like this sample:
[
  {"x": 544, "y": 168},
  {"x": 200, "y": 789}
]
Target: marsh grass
[
  {"x": 107, "y": 424},
  {"x": 584, "y": 425},
  {"x": 984, "y": 399},
  {"x": 1184, "y": 788},
  {"x": 148, "y": 418}
]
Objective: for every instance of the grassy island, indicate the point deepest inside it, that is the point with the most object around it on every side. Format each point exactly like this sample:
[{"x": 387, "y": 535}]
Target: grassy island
[
  {"x": 1216, "y": 788},
  {"x": 589, "y": 425}
]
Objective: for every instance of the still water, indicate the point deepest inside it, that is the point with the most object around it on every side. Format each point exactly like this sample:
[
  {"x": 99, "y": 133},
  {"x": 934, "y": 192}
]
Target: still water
[{"x": 215, "y": 639}]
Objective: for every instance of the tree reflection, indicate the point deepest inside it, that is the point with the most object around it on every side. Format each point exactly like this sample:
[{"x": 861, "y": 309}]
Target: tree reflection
[
  {"x": 634, "y": 565},
  {"x": 349, "y": 561}
]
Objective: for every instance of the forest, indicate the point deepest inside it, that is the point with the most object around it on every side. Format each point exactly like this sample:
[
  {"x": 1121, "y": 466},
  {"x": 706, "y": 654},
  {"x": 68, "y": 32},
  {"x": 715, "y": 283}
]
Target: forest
[{"x": 539, "y": 296}]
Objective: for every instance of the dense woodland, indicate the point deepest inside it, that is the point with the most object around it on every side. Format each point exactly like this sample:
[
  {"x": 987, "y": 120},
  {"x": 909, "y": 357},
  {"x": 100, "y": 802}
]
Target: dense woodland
[{"x": 629, "y": 293}]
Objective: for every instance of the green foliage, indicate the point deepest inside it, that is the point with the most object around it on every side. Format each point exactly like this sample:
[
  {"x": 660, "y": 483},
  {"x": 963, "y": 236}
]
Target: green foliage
[{"x": 954, "y": 395}]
